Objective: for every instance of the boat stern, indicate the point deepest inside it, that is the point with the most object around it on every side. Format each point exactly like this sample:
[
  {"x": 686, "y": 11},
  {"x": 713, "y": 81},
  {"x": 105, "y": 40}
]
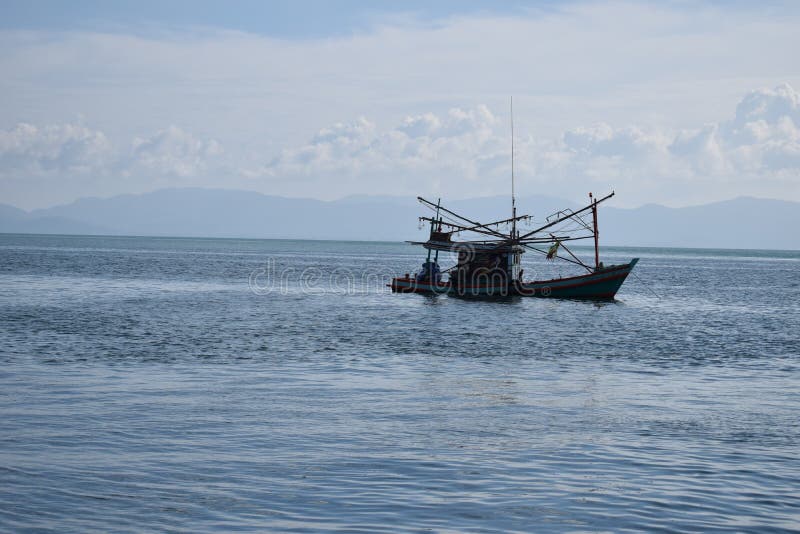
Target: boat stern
[{"x": 407, "y": 284}]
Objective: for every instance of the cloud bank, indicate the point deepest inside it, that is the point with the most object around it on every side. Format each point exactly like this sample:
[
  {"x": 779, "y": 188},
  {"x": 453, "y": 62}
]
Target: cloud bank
[
  {"x": 467, "y": 152},
  {"x": 459, "y": 153},
  {"x": 56, "y": 148}
]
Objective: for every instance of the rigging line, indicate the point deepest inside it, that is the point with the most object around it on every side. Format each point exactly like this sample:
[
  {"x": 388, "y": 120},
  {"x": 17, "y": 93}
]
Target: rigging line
[
  {"x": 446, "y": 218},
  {"x": 570, "y": 227},
  {"x": 458, "y": 228},
  {"x": 440, "y": 215},
  {"x": 562, "y": 219},
  {"x": 540, "y": 251},
  {"x": 576, "y": 258},
  {"x": 493, "y": 223},
  {"x": 474, "y": 223},
  {"x": 450, "y": 219},
  {"x": 646, "y": 285}
]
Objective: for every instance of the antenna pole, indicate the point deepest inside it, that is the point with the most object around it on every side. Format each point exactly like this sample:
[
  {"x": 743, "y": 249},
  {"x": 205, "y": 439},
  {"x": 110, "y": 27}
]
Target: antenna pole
[
  {"x": 514, "y": 256},
  {"x": 513, "y": 199}
]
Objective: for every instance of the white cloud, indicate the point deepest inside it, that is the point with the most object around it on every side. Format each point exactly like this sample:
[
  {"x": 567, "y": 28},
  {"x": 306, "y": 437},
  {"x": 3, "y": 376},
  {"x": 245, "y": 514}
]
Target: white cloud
[
  {"x": 420, "y": 125},
  {"x": 458, "y": 153},
  {"x": 603, "y": 140},
  {"x": 422, "y": 148},
  {"x": 173, "y": 151},
  {"x": 768, "y": 105},
  {"x": 70, "y": 149},
  {"x": 55, "y": 148},
  {"x": 38, "y": 162},
  {"x": 762, "y": 138},
  {"x": 466, "y": 152}
]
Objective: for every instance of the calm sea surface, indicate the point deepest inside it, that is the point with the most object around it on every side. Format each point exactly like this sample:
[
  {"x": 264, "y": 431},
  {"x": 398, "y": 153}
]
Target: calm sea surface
[{"x": 220, "y": 385}]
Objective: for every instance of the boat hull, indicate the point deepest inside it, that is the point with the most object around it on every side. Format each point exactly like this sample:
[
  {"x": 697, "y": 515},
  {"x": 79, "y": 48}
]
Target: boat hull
[{"x": 601, "y": 284}]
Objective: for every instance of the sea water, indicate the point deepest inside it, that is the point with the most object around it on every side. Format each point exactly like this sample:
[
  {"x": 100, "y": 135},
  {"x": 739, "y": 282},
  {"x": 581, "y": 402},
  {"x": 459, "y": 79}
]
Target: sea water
[{"x": 253, "y": 385}]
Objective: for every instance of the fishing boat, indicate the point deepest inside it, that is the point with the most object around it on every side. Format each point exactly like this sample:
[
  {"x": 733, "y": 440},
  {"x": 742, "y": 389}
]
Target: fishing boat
[
  {"x": 488, "y": 254},
  {"x": 490, "y": 266}
]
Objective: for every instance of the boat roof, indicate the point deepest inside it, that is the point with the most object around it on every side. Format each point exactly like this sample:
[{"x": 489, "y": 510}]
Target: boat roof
[{"x": 487, "y": 247}]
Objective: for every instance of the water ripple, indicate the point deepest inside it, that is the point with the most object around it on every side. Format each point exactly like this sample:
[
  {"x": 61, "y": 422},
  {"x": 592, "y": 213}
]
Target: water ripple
[{"x": 144, "y": 387}]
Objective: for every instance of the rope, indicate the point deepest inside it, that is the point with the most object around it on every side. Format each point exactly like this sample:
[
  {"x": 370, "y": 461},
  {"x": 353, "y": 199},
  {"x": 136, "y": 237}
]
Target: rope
[{"x": 646, "y": 284}]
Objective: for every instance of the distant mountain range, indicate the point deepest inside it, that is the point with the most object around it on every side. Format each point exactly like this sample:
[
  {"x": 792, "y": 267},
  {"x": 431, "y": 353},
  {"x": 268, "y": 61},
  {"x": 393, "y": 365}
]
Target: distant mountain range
[{"x": 739, "y": 223}]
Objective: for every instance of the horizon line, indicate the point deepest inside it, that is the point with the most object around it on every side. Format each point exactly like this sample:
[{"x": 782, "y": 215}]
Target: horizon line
[
  {"x": 375, "y": 196},
  {"x": 388, "y": 242}
]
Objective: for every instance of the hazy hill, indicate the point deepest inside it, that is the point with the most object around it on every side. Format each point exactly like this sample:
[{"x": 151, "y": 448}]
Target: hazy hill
[
  {"x": 743, "y": 222},
  {"x": 737, "y": 223}
]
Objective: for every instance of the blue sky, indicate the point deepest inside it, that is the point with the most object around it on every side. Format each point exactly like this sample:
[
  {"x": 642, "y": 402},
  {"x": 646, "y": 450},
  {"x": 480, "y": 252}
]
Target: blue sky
[
  {"x": 293, "y": 19},
  {"x": 675, "y": 103}
]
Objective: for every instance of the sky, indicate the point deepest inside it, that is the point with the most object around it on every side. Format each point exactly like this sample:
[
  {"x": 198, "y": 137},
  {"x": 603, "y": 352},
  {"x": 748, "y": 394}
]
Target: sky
[{"x": 675, "y": 103}]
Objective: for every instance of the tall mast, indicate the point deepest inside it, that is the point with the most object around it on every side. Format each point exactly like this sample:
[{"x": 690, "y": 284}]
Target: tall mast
[
  {"x": 594, "y": 223},
  {"x": 439, "y": 229},
  {"x": 513, "y": 199}
]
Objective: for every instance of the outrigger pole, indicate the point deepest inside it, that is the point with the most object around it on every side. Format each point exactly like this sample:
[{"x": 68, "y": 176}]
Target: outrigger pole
[
  {"x": 475, "y": 224},
  {"x": 460, "y": 228},
  {"x": 593, "y": 205}
]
